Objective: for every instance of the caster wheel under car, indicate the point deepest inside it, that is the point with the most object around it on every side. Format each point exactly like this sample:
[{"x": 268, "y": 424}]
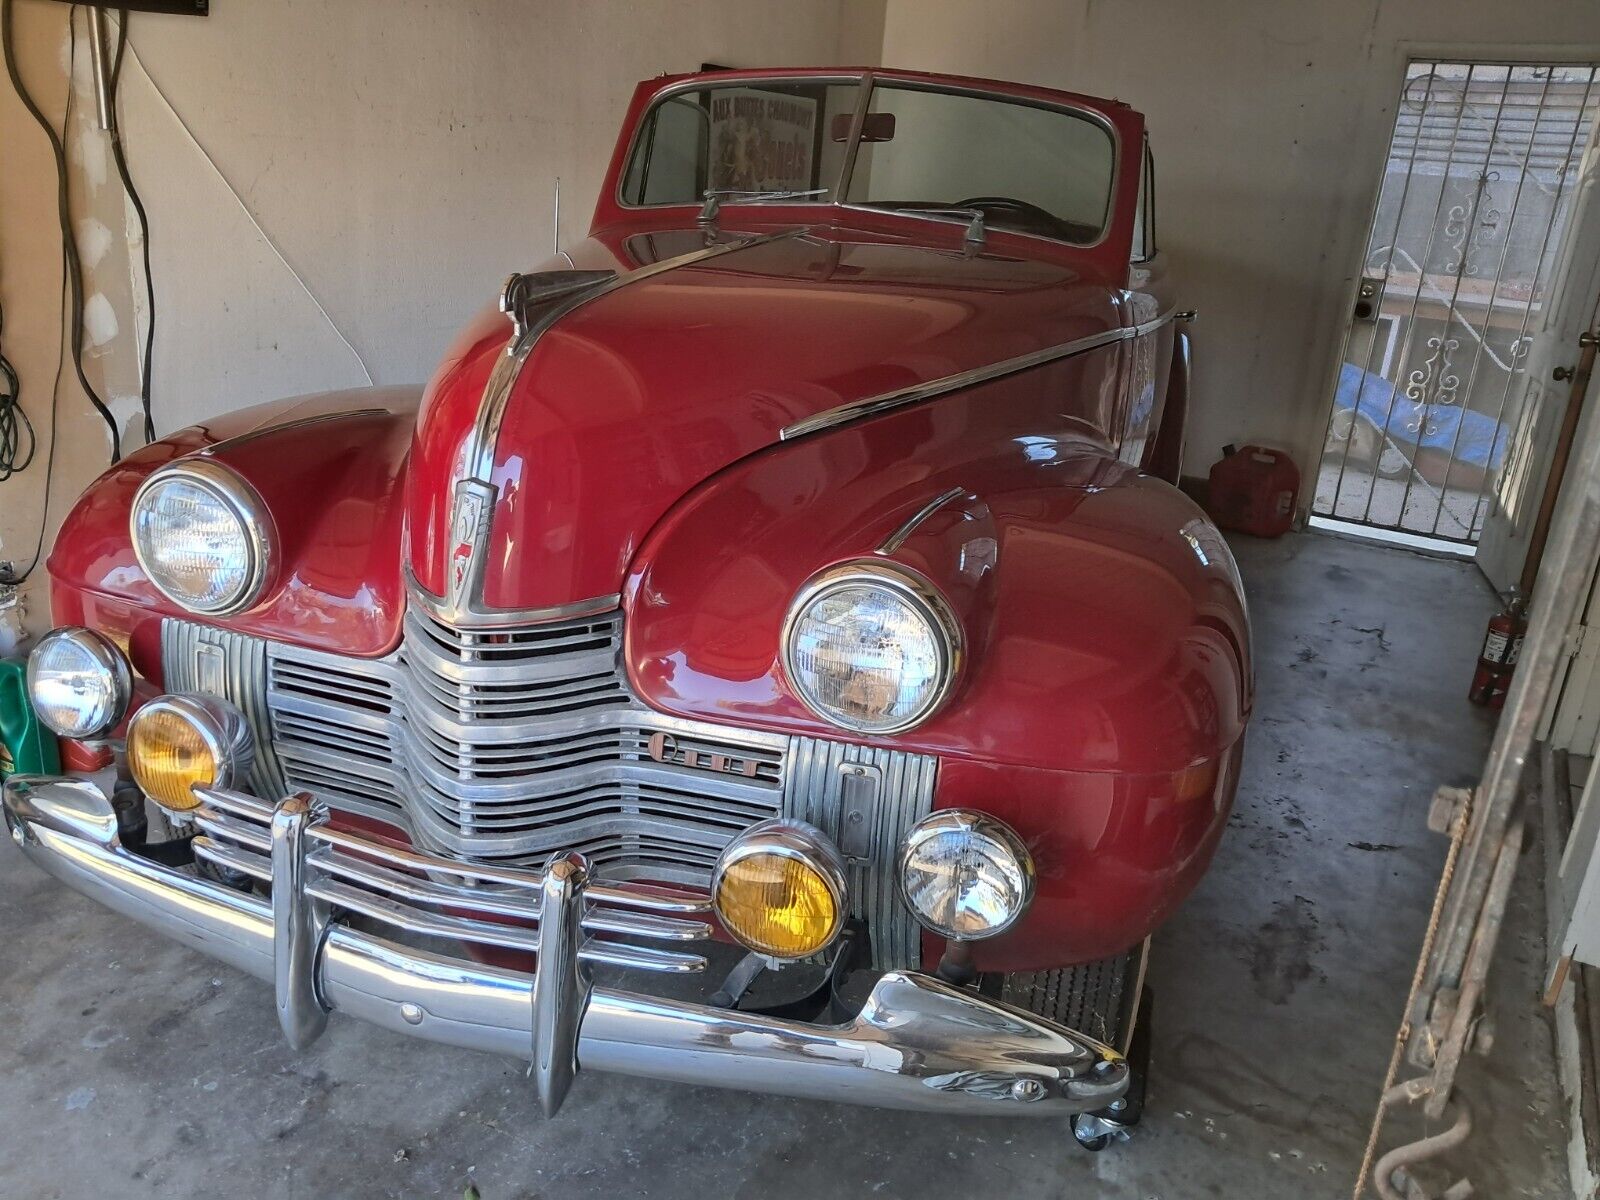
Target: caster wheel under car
[
  {"x": 1107, "y": 1000},
  {"x": 1094, "y": 1132}
]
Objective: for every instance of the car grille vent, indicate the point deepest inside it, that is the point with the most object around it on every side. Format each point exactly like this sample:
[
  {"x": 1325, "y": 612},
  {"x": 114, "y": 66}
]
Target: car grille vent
[{"x": 506, "y": 746}]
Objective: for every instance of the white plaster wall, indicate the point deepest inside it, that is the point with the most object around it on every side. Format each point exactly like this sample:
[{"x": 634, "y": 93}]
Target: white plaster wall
[
  {"x": 1269, "y": 123},
  {"x": 397, "y": 156}
]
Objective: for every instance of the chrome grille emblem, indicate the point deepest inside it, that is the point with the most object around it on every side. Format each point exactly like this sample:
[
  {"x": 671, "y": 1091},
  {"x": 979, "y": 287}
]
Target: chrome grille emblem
[{"x": 469, "y": 532}]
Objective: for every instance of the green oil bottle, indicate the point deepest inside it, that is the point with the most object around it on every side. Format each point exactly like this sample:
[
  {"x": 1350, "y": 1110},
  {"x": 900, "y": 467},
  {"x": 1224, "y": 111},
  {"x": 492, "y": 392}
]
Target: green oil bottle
[{"x": 26, "y": 747}]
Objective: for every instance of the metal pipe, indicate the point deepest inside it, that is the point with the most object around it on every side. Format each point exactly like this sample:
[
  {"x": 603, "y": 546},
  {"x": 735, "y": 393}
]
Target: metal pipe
[{"x": 102, "y": 75}]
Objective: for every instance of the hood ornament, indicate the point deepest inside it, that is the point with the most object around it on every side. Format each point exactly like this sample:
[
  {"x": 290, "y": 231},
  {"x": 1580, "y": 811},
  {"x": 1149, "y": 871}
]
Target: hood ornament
[{"x": 524, "y": 295}]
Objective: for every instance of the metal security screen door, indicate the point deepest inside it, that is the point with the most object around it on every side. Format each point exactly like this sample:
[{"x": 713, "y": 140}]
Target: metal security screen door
[{"x": 1475, "y": 198}]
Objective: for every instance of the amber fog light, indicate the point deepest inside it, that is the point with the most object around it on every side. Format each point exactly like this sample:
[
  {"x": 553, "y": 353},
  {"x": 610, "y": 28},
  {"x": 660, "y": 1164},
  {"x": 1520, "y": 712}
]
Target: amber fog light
[
  {"x": 965, "y": 875},
  {"x": 179, "y": 742},
  {"x": 779, "y": 889}
]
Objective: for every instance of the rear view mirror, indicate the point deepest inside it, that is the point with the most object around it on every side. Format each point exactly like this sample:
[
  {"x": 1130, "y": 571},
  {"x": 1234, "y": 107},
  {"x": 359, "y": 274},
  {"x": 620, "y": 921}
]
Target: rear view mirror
[{"x": 877, "y": 127}]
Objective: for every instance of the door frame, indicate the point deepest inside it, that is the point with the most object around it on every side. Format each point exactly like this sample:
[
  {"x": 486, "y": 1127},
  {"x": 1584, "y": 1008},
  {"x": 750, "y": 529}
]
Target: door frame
[{"x": 1375, "y": 128}]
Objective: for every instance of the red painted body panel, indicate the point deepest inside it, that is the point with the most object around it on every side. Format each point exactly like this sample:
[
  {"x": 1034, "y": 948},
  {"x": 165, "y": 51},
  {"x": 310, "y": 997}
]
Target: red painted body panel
[
  {"x": 331, "y": 487},
  {"x": 1102, "y": 702},
  {"x": 637, "y": 396}
]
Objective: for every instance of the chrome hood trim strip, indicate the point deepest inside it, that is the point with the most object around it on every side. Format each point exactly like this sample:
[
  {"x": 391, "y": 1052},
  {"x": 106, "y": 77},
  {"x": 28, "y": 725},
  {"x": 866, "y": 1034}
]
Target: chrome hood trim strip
[
  {"x": 479, "y": 457},
  {"x": 871, "y": 406}
]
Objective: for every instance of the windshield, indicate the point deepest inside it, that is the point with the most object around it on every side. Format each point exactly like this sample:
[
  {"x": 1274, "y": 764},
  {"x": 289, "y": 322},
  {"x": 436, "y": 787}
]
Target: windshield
[
  {"x": 1024, "y": 167},
  {"x": 775, "y": 137}
]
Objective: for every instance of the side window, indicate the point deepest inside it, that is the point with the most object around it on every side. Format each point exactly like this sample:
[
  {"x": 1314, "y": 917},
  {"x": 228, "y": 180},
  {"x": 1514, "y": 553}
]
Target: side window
[{"x": 1144, "y": 220}]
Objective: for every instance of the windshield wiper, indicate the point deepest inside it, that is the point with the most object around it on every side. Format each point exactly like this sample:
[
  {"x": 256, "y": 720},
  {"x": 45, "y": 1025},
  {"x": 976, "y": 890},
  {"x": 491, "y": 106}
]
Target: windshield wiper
[
  {"x": 976, "y": 231},
  {"x": 717, "y": 197}
]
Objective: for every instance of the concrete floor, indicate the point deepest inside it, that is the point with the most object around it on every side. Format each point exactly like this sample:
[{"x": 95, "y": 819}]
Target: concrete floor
[{"x": 132, "y": 1068}]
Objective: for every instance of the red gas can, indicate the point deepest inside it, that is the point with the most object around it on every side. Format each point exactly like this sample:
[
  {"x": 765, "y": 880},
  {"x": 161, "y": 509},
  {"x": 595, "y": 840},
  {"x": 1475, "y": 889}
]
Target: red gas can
[{"x": 1253, "y": 490}]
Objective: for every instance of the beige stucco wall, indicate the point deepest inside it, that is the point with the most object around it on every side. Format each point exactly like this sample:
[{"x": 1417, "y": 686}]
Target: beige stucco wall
[
  {"x": 1269, "y": 123},
  {"x": 399, "y": 155}
]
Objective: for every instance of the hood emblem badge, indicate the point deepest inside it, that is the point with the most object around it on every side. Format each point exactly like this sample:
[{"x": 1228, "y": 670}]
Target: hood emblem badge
[{"x": 469, "y": 534}]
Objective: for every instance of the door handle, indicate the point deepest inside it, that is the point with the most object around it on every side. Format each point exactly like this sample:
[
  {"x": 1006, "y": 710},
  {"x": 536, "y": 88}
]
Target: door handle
[{"x": 1561, "y": 374}]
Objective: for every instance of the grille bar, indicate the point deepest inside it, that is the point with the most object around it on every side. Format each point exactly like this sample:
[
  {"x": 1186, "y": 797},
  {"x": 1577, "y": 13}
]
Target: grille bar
[{"x": 496, "y": 749}]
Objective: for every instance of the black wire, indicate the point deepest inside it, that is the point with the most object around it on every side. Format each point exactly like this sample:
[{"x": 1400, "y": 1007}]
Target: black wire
[
  {"x": 55, "y": 410},
  {"x": 16, "y": 430},
  {"x": 144, "y": 226},
  {"x": 61, "y": 347},
  {"x": 69, "y": 242}
]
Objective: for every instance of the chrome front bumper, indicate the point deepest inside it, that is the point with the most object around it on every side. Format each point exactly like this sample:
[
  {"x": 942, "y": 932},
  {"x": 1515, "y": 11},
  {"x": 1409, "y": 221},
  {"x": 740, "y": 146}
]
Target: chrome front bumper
[{"x": 916, "y": 1044}]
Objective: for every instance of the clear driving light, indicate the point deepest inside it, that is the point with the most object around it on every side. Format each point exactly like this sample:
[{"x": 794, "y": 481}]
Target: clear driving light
[
  {"x": 200, "y": 533},
  {"x": 871, "y": 648},
  {"x": 79, "y": 682},
  {"x": 965, "y": 875}
]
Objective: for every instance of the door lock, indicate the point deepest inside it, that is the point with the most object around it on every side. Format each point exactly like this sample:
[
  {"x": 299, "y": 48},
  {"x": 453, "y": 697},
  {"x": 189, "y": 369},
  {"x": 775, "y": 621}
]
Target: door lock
[{"x": 1588, "y": 338}]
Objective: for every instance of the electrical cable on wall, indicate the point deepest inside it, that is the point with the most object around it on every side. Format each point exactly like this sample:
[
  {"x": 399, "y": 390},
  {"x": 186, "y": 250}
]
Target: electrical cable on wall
[
  {"x": 55, "y": 411},
  {"x": 144, "y": 227},
  {"x": 16, "y": 431},
  {"x": 69, "y": 242},
  {"x": 61, "y": 322}
]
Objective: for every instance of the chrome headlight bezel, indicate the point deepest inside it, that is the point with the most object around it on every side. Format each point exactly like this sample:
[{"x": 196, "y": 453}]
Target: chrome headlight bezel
[
  {"x": 920, "y": 595},
  {"x": 223, "y": 729},
  {"x": 108, "y": 658},
  {"x": 242, "y": 504},
  {"x": 966, "y": 822},
  {"x": 791, "y": 838}
]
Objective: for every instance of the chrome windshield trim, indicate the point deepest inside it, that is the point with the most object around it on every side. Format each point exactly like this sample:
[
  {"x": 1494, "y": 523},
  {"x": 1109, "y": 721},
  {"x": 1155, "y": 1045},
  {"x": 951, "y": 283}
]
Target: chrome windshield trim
[
  {"x": 916, "y": 393},
  {"x": 898, "y": 538},
  {"x": 867, "y": 80}
]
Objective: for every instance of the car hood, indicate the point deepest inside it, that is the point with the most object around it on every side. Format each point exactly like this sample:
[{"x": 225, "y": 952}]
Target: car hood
[{"x": 692, "y": 362}]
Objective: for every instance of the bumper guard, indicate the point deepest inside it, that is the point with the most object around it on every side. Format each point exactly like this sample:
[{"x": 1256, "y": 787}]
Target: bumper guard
[{"x": 916, "y": 1044}]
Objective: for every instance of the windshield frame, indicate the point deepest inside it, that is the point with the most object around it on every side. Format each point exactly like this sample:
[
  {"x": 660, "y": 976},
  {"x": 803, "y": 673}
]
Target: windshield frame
[{"x": 867, "y": 81}]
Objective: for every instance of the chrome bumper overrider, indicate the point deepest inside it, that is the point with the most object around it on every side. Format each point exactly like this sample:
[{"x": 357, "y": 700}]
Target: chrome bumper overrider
[{"x": 916, "y": 1044}]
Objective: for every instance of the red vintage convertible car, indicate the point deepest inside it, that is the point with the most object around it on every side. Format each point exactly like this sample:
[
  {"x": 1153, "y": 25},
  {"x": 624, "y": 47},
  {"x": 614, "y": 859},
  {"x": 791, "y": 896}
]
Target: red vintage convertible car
[{"x": 784, "y": 590}]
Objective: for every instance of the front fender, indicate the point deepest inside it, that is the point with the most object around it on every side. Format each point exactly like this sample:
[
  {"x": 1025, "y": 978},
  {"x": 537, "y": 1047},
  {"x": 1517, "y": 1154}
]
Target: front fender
[
  {"x": 1103, "y": 612},
  {"x": 327, "y": 468}
]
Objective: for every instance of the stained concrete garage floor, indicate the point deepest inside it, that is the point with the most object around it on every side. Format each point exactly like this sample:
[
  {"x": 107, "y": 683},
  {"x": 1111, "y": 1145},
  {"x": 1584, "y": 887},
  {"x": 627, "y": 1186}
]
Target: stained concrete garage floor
[{"x": 129, "y": 1067}]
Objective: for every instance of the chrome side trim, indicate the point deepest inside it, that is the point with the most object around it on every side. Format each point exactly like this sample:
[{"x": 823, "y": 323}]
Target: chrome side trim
[
  {"x": 871, "y": 406},
  {"x": 916, "y": 1044},
  {"x": 898, "y": 538},
  {"x": 246, "y": 438}
]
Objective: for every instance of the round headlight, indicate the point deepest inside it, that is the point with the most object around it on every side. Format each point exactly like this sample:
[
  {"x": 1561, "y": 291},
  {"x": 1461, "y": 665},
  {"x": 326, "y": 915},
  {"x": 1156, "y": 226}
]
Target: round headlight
[
  {"x": 200, "y": 533},
  {"x": 779, "y": 888},
  {"x": 79, "y": 682},
  {"x": 178, "y": 742},
  {"x": 870, "y": 648},
  {"x": 965, "y": 875}
]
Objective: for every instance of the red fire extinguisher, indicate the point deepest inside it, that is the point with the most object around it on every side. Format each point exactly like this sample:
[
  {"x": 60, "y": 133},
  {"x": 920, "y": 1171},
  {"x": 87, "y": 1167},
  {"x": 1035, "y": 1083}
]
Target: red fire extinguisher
[{"x": 1502, "y": 646}]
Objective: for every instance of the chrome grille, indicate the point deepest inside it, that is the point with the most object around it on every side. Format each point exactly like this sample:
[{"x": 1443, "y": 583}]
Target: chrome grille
[
  {"x": 514, "y": 745},
  {"x": 507, "y": 746}
]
